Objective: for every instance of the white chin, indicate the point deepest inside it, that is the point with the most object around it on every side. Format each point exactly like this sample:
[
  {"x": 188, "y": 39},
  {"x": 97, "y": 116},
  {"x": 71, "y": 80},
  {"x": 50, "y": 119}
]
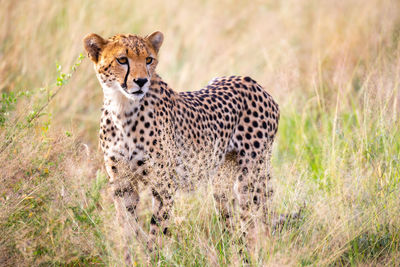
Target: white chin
[
  {"x": 135, "y": 95},
  {"x": 115, "y": 91}
]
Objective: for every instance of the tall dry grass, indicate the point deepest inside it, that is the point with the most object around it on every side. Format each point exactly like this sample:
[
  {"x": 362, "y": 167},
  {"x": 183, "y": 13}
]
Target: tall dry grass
[{"x": 333, "y": 66}]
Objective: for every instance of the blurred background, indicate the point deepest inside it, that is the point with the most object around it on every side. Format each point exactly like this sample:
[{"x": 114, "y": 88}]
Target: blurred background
[{"x": 333, "y": 67}]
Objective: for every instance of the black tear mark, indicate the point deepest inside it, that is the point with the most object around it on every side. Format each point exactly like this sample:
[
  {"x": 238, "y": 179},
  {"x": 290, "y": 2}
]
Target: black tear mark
[{"x": 126, "y": 76}]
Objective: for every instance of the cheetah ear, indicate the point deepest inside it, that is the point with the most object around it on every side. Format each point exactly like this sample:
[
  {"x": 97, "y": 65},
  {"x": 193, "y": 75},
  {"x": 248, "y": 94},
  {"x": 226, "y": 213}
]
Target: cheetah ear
[
  {"x": 156, "y": 39},
  {"x": 93, "y": 44}
]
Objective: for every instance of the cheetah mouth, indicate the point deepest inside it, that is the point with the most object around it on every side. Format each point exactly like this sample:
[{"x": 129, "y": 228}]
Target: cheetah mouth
[{"x": 139, "y": 92}]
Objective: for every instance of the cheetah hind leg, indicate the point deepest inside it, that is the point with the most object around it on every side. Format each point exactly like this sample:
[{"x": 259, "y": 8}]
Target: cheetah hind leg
[
  {"x": 276, "y": 221},
  {"x": 222, "y": 185},
  {"x": 251, "y": 192}
]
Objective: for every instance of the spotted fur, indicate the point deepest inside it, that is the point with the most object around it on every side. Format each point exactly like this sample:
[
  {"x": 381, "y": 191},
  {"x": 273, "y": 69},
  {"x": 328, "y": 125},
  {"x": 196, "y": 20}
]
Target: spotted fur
[{"x": 148, "y": 127}]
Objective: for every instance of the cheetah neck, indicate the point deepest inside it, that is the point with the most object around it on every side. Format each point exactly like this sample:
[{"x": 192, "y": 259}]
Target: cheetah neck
[
  {"x": 118, "y": 103},
  {"x": 120, "y": 106}
]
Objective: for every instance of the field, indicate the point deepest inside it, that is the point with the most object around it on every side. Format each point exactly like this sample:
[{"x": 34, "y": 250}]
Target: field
[{"x": 332, "y": 65}]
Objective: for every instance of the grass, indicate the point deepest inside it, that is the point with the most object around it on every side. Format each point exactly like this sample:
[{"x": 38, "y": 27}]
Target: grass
[{"x": 333, "y": 67}]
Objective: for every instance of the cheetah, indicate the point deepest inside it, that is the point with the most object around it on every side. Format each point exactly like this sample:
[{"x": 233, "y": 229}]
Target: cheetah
[{"x": 148, "y": 127}]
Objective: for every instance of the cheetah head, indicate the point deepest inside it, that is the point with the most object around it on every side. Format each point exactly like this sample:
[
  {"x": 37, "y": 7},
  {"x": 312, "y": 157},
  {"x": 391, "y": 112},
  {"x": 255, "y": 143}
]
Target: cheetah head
[{"x": 124, "y": 64}]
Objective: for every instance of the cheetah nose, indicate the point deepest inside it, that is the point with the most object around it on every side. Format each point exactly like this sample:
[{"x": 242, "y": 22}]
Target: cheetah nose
[{"x": 140, "y": 81}]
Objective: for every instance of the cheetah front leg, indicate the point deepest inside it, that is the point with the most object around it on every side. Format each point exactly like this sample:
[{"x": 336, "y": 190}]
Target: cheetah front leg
[
  {"x": 162, "y": 195},
  {"x": 126, "y": 199},
  {"x": 125, "y": 195}
]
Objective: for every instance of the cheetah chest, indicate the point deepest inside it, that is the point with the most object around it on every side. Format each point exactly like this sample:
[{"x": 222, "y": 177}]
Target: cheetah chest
[{"x": 127, "y": 137}]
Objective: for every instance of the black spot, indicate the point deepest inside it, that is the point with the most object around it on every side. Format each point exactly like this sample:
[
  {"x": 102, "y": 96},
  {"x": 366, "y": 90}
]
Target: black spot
[
  {"x": 114, "y": 169},
  {"x": 255, "y": 200},
  {"x": 264, "y": 125},
  {"x": 165, "y": 215},
  {"x": 256, "y": 144},
  {"x": 153, "y": 220},
  {"x": 119, "y": 192},
  {"x": 131, "y": 209},
  {"x": 165, "y": 231}
]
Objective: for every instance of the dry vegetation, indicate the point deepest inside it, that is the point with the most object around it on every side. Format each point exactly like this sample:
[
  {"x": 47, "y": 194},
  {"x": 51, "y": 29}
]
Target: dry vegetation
[{"x": 333, "y": 66}]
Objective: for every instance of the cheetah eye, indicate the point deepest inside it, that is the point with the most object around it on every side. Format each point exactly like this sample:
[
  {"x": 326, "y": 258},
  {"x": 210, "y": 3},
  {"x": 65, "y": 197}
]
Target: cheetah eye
[
  {"x": 122, "y": 60},
  {"x": 149, "y": 60}
]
